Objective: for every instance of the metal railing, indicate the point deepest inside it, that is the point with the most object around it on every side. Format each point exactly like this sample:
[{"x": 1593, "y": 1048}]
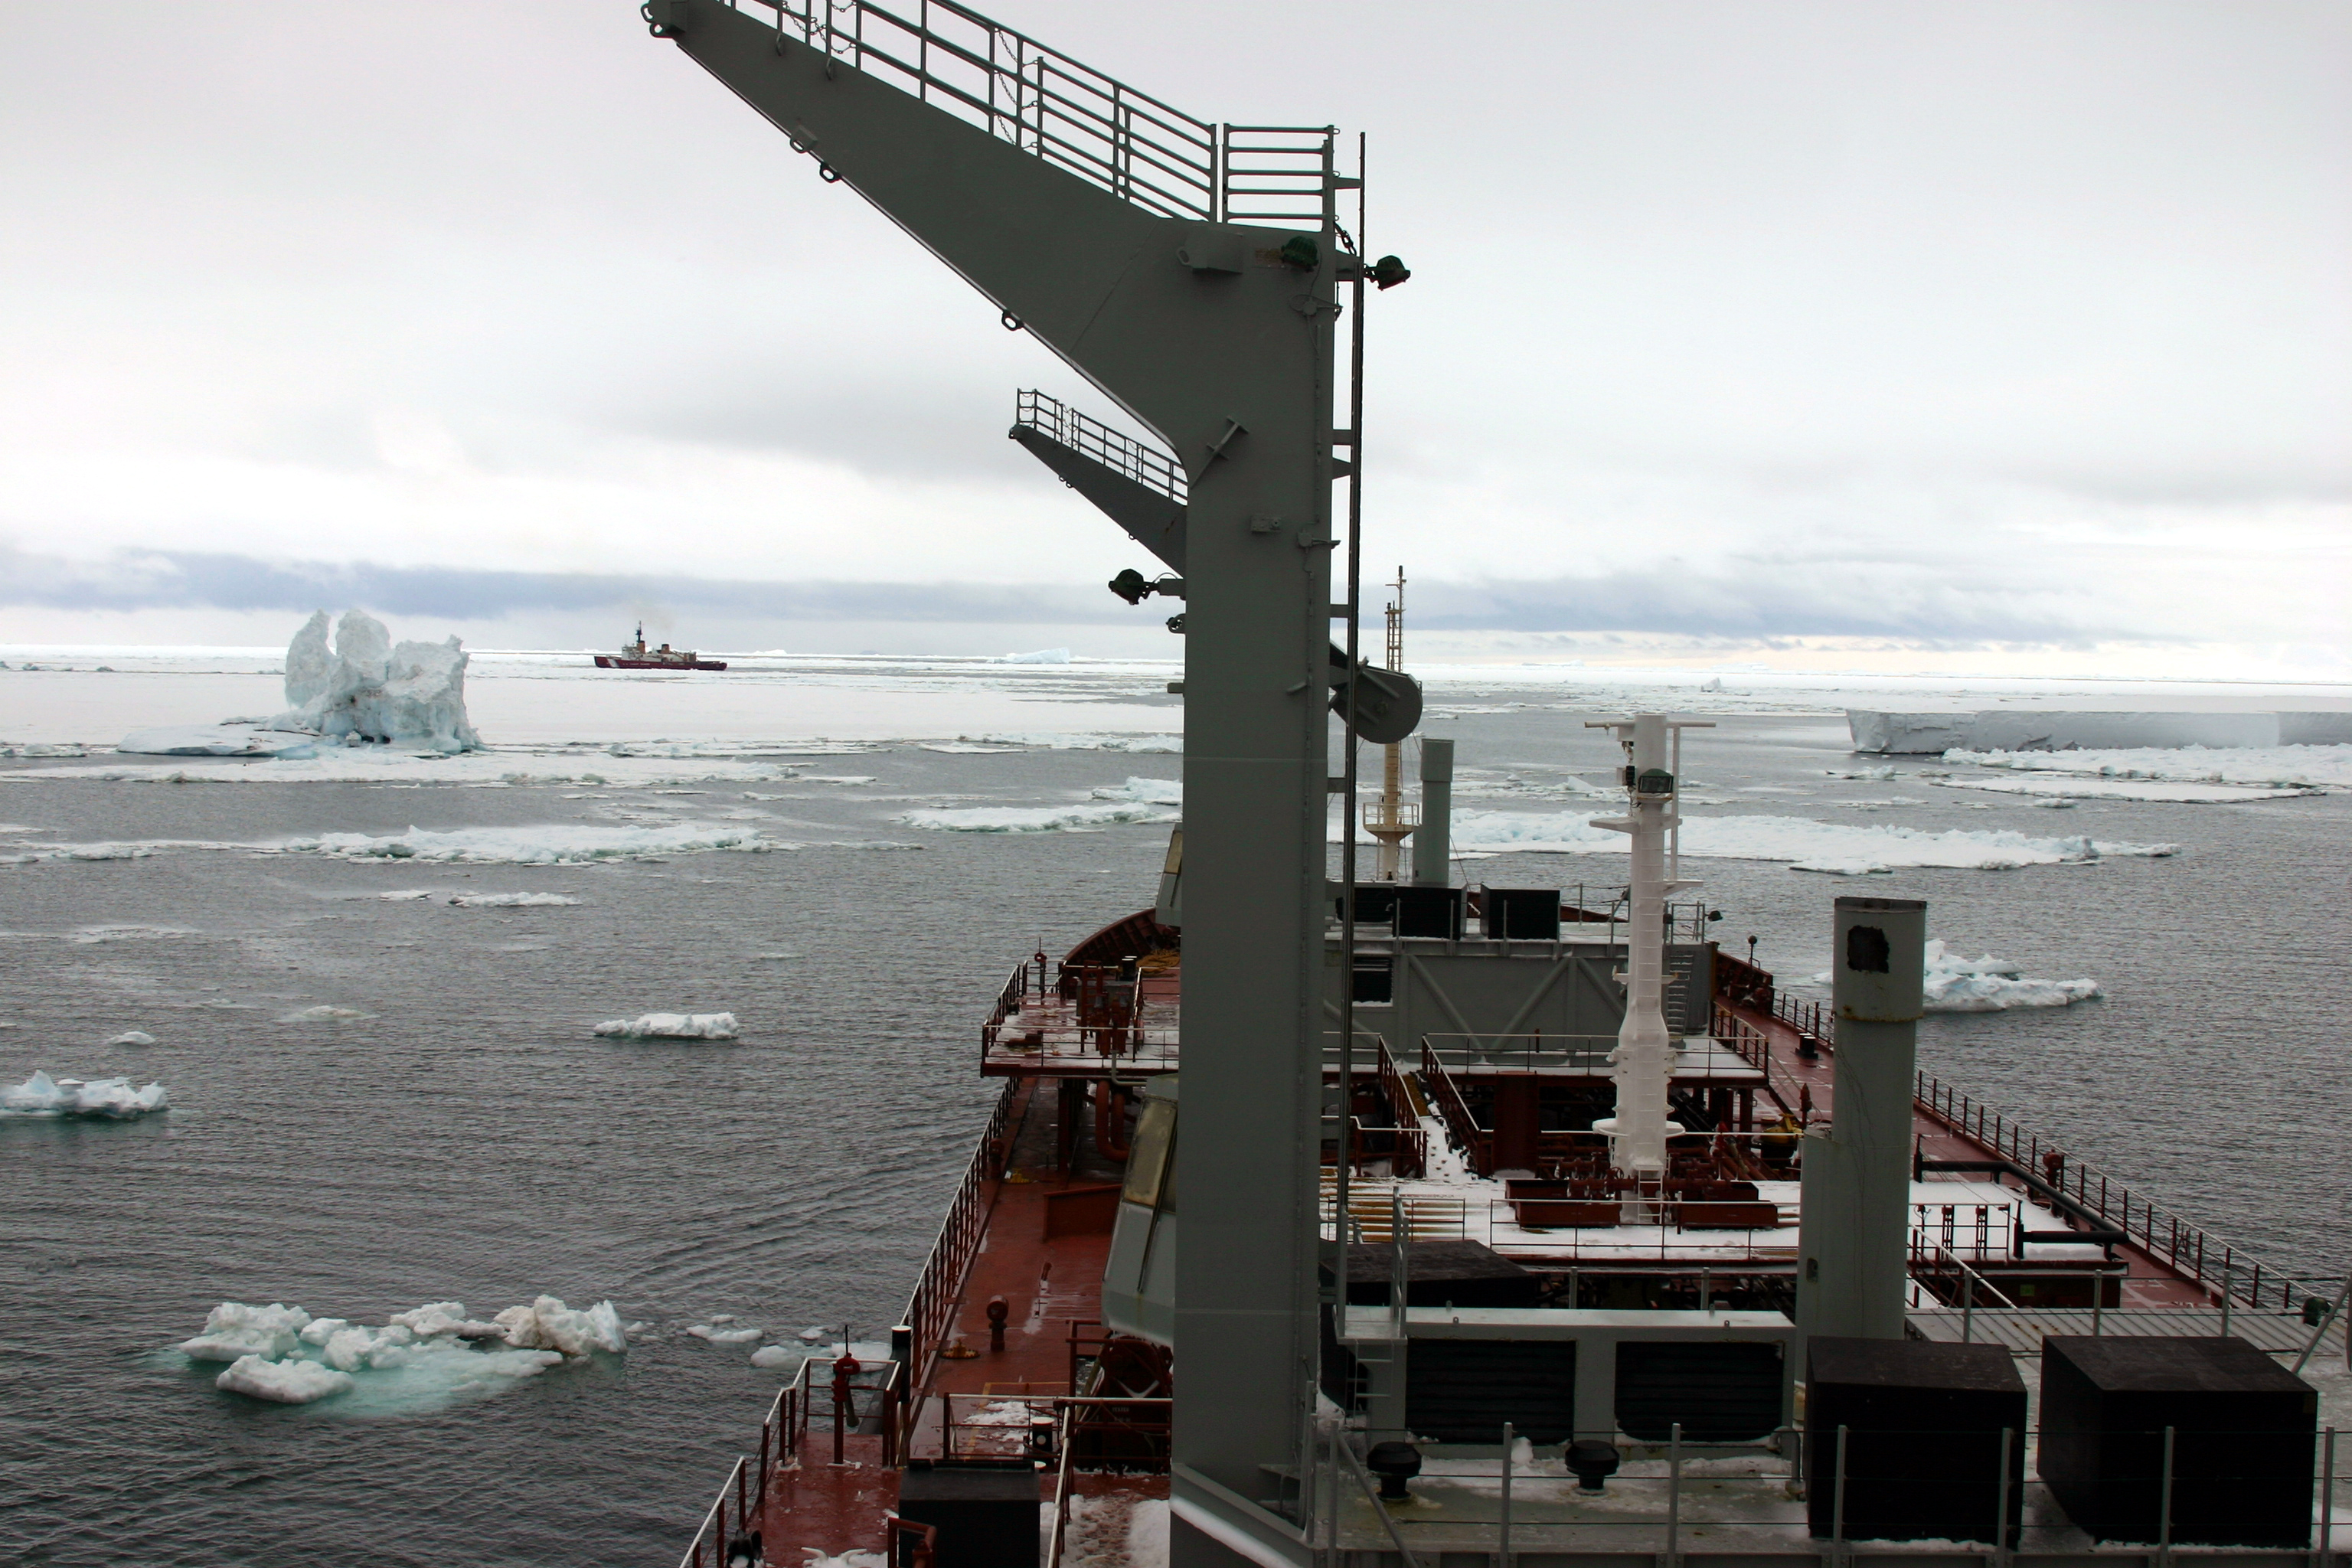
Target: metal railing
[
  {"x": 930, "y": 1311},
  {"x": 2224, "y": 1270},
  {"x": 1034, "y": 1023},
  {"x": 1128, "y": 142},
  {"x": 1789, "y": 1497},
  {"x": 1089, "y": 437},
  {"x": 1519, "y": 1053},
  {"x": 1476, "y": 1144}
]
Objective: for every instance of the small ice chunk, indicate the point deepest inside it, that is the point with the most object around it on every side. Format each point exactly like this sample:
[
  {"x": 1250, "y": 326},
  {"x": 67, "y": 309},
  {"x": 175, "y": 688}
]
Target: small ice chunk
[
  {"x": 1953, "y": 982},
  {"x": 132, "y": 1038},
  {"x": 284, "y": 1381},
  {"x": 351, "y": 1348},
  {"x": 512, "y": 901},
  {"x": 548, "y": 1324},
  {"x": 233, "y": 1330},
  {"x": 725, "y": 1336},
  {"x": 323, "y": 1015},
  {"x": 321, "y": 1329},
  {"x": 778, "y": 1355},
  {"x": 432, "y": 1318},
  {"x": 671, "y": 1026}
]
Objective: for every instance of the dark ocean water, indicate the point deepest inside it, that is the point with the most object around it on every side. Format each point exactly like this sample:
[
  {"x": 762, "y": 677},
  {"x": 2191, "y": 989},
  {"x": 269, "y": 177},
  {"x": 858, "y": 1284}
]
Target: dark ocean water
[{"x": 473, "y": 1140}]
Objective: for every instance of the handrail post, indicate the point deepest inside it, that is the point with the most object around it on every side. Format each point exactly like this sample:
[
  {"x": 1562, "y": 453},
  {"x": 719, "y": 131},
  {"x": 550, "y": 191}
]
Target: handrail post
[
  {"x": 1675, "y": 1492},
  {"x": 1503, "y": 1540},
  {"x": 2327, "y": 1501},
  {"x": 2000, "y": 1505},
  {"x": 2164, "y": 1507},
  {"x": 1837, "y": 1502}
]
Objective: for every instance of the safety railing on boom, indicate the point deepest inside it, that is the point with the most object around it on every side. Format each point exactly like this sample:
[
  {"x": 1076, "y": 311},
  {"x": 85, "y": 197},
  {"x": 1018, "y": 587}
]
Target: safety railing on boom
[
  {"x": 1128, "y": 142},
  {"x": 1090, "y": 438}
]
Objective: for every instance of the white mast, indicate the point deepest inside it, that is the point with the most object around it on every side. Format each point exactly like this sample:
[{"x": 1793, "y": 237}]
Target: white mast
[
  {"x": 1642, "y": 1062},
  {"x": 1389, "y": 819}
]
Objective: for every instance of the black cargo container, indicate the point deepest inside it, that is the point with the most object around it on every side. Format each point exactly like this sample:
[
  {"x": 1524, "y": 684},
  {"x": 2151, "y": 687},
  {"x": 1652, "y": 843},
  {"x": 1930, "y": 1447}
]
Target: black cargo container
[
  {"x": 1923, "y": 1453},
  {"x": 1428, "y": 911},
  {"x": 1522, "y": 914},
  {"x": 2242, "y": 1427}
]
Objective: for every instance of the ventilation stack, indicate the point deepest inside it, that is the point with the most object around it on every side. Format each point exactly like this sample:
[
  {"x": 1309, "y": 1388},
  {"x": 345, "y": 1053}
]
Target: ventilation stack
[
  {"x": 1856, "y": 1212},
  {"x": 1432, "y": 843}
]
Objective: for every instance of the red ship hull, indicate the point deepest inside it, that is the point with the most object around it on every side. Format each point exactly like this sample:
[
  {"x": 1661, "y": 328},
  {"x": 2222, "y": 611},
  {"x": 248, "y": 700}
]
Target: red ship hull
[{"x": 613, "y": 661}]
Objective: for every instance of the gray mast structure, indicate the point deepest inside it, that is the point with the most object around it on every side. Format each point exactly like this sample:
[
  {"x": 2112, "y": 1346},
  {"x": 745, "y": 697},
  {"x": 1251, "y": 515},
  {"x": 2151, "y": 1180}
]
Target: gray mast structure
[{"x": 1191, "y": 272}]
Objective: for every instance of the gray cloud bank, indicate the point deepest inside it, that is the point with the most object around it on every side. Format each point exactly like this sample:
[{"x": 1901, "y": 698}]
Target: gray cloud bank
[{"x": 1758, "y": 601}]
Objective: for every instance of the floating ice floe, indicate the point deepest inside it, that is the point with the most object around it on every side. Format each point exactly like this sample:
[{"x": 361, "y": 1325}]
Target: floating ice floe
[
  {"x": 418, "y": 1359},
  {"x": 105, "y": 1099},
  {"x": 324, "y": 1013},
  {"x": 1951, "y": 982},
  {"x": 1158, "y": 745},
  {"x": 1840, "y": 848},
  {"x": 2286, "y": 768},
  {"x": 132, "y": 1038},
  {"x": 1137, "y": 800},
  {"x": 512, "y": 901},
  {"x": 1954, "y": 983},
  {"x": 1042, "y": 656},
  {"x": 670, "y": 1026},
  {"x": 552, "y": 844},
  {"x": 779, "y": 1356},
  {"x": 282, "y": 1382}
]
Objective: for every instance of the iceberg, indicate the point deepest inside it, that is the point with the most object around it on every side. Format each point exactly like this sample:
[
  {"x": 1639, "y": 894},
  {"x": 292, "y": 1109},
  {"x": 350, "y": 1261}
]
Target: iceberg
[
  {"x": 364, "y": 689},
  {"x": 105, "y": 1099},
  {"x": 670, "y": 1026},
  {"x": 411, "y": 694}
]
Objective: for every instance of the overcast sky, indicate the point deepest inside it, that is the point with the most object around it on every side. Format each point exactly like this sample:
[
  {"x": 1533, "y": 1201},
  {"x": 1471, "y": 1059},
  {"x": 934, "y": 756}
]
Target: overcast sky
[{"x": 1968, "y": 337}]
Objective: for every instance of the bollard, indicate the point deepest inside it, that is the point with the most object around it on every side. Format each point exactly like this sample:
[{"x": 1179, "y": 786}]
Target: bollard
[{"x": 998, "y": 1311}]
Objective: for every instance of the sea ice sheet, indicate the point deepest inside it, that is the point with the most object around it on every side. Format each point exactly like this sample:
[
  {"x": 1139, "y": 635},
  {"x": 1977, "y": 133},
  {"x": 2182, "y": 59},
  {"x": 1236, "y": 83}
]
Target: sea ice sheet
[
  {"x": 2281, "y": 767},
  {"x": 1843, "y": 848}
]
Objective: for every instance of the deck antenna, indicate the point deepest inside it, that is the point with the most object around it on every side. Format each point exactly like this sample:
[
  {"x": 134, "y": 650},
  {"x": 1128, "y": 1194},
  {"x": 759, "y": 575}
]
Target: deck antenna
[
  {"x": 1391, "y": 820},
  {"x": 1642, "y": 1062}
]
